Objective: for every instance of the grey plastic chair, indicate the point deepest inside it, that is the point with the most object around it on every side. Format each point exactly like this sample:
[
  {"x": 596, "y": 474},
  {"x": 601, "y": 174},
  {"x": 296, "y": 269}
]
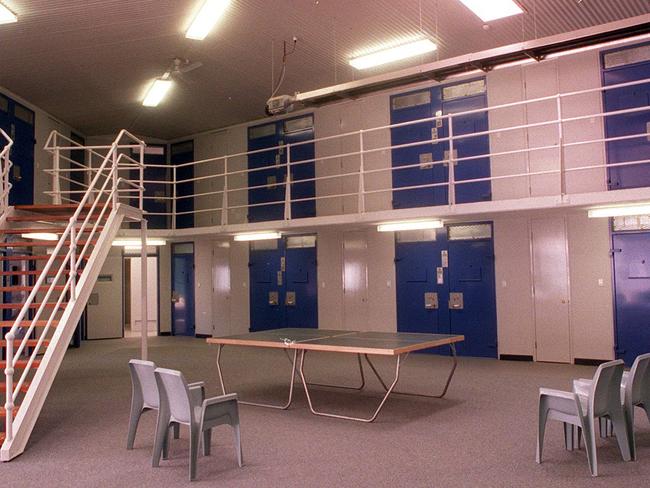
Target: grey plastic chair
[
  {"x": 144, "y": 396},
  {"x": 582, "y": 411},
  {"x": 186, "y": 404},
  {"x": 635, "y": 392}
]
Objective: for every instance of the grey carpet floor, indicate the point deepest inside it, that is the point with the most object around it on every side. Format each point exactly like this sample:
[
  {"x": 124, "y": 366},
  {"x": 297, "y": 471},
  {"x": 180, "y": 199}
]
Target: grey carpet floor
[{"x": 481, "y": 434}]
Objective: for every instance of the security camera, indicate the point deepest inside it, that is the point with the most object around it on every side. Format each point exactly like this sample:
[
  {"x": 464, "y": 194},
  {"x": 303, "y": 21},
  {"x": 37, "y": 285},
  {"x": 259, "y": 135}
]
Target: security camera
[{"x": 280, "y": 104}]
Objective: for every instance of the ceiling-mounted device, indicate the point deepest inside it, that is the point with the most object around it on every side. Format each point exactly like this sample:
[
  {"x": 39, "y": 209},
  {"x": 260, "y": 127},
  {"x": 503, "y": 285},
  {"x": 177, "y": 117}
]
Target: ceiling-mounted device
[
  {"x": 180, "y": 67},
  {"x": 281, "y": 104}
]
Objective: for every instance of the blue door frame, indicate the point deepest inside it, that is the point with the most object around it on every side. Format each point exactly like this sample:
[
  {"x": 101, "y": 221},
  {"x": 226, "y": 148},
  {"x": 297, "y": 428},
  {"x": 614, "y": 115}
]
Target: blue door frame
[
  {"x": 631, "y": 294},
  {"x": 267, "y": 192},
  {"x": 183, "y": 317},
  {"x": 621, "y": 125},
  {"x": 18, "y": 122},
  {"x": 430, "y": 102},
  {"x": 277, "y": 271},
  {"x": 421, "y": 268}
]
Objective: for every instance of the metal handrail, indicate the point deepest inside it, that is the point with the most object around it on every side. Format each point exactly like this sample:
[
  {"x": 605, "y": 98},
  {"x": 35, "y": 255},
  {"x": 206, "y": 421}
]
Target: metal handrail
[
  {"x": 5, "y": 167},
  {"x": 99, "y": 195}
]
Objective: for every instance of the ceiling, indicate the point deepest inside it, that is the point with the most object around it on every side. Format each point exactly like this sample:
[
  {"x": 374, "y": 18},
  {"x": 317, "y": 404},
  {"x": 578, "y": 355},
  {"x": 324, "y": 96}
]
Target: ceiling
[{"x": 89, "y": 62}]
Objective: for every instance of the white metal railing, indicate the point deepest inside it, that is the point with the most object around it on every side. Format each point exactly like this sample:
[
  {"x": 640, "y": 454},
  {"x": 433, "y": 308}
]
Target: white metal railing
[
  {"x": 223, "y": 186},
  {"x": 5, "y": 167},
  {"x": 57, "y": 280}
]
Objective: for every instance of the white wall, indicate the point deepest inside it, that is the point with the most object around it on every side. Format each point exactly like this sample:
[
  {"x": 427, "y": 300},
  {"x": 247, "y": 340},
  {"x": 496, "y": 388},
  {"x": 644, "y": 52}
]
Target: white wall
[{"x": 203, "y": 286}]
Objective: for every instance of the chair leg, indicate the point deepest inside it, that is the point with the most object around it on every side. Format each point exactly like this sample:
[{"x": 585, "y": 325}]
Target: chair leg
[
  {"x": 134, "y": 419},
  {"x": 605, "y": 427},
  {"x": 588, "y": 431},
  {"x": 177, "y": 430},
  {"x": 571, "y": 437},
  {"x": 194, "y": 449},
  {"x": 240, "y": 456},
  {"x": 541, "y": 428},
  {"x": 207, "y": 441},
  {"x": 161, "y": 437},
  {"x": 629, "y": 423},
  {"x": 621, "y": 431}
]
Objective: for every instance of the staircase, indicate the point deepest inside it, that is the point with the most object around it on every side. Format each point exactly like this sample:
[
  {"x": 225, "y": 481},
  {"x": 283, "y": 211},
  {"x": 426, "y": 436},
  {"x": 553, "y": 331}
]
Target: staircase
[{"x": 51, "y": 256}]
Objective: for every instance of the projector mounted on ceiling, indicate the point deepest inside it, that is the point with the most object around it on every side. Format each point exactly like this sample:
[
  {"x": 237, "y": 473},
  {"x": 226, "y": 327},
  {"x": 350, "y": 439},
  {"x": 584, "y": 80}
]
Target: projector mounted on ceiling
[{"x": 281, "y": 104}]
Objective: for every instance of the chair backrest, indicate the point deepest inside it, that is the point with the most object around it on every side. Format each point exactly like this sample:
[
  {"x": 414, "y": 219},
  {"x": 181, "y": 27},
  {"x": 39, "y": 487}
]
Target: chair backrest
[
  {"x": 639, "y": 380},
  {"x": 606, "y": 388},
  {"x": 175, "y": 393},
  {"x": 142, "y": 377}
]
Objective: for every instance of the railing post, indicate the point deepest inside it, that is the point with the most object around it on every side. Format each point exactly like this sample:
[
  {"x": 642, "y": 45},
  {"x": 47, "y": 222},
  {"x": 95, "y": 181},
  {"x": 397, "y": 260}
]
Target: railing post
[
  {"x": 287, "y": 186},
  {"x": 115, "y": 176},
  {"x": 451, "y": 163},
  {"x": 224, "y": 201},
  {"x": 362, "y": 184},
  {"x": 73, "y": 259},
  {"x": 560, "y": 134},
  {"x": 141, "y": 193},
  {"x": 9, "y": 386},
  {"x": 174, "y": 195},
  {"x": 144, "y": 322},
  {"x": 88, "y": 176},
  {"x": 56, "y": 183}
]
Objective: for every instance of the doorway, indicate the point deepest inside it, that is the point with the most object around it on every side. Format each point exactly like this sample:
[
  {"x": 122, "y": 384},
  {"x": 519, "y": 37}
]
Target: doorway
[
  {"x": 133, "y": 298},
  {"x": 183, "y": 319}
]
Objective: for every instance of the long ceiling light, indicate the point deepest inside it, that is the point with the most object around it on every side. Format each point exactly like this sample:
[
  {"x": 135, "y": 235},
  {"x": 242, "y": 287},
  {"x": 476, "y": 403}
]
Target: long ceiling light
[
  {"x": 157, "y": 92},
  {"x": 410, "y": 225},
  {"x": 395, "y": 53},
  {"x": 41, "y": 236},
  {"x": 488, "y": 10},
  {"x": 258, "y": 236},
  {"x": 137, "y": 242},
  {"x": 206, "y": 18},
  {"x": 620, "y": 211},
  {"x": 7, "y": 16}
]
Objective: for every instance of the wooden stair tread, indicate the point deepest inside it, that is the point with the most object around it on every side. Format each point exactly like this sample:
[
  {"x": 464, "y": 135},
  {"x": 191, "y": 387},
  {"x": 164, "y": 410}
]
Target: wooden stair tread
[
  {"x": 21, "y": 363},
  {"x": 35, "y": 272},
  {"x": 24, "y": 387},
  {"x": 50, "y": 230},
  {"x": 48, "y": 218},
  {"x": 33, "y": 257},
  {"x": 30, "y": 343},
  {"x": 11, "y": 289},
  {"x": 41, "y": 243},
  {"x": 26, "y": 323},
  {"x": 13, "y": 306}
]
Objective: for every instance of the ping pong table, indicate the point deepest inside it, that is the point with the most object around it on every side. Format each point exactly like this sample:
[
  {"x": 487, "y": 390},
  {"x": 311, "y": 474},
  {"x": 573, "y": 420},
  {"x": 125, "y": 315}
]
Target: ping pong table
[{"x": 363, "y": 344}]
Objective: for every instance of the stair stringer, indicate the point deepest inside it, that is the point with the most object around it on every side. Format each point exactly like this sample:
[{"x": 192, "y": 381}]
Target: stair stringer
[{"x": 34, "y": 399}]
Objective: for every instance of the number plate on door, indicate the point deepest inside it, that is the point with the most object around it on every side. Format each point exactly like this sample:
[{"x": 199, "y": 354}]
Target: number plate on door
[
  {"x": 273, "y": 298},
  {"x": 290, "y": 299},
  {"x": 456, "y": 301},
  {"x": 431, "y": 301}
]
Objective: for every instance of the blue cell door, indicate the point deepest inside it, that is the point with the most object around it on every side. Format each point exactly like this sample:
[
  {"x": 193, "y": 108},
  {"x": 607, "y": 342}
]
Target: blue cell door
[
  {"x": 283, "y": 283},
  {"x": 422, "y": 156},
  {"x": 18, "y": 122},
  {"x": 445, "y": 285},
  {"x": 183, "y": 319},
  {"x": 183, "y": 152},
  {"x": 266, "y": 182},
  {"x": 632, "y": 294},
  {"x": 628, "y": 149}
]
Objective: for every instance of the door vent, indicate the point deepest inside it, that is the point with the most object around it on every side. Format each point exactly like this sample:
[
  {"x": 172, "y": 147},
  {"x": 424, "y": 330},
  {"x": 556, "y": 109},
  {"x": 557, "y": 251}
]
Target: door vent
[
  {"x": 469, "y": 232},
  {"x": 639, "y": 222}
]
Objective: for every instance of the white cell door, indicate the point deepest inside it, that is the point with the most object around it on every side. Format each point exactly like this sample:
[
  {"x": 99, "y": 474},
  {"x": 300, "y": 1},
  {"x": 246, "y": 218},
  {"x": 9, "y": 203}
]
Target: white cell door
[
  {"x": 152, "y": 295},
  {"x": 355, "y": 281},
  {"x": 105, "y": 302},
  {"x": 551, "y": 287},
  {"x": 221, "y": 290}
]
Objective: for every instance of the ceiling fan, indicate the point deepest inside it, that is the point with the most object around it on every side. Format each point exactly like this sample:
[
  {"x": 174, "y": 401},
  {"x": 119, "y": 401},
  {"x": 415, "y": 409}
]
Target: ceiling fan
[{"x": 180, "y": 67}]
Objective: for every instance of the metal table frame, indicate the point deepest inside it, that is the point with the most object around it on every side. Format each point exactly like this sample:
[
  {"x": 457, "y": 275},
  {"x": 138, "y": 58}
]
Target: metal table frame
[{"x": 297, "y": 368}]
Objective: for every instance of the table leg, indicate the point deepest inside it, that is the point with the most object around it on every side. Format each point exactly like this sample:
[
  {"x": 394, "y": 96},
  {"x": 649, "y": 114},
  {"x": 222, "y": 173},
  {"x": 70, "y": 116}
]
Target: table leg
[
  {"x": 305, "y": 386},
  {"x": 267, "y": 405},
  {"x": 454, "y": 363}
]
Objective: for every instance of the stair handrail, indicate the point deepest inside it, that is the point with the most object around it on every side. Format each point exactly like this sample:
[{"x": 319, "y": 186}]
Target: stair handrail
[
  {"x": 5, "y": 166},
  {"x": 73, "y": 233}
]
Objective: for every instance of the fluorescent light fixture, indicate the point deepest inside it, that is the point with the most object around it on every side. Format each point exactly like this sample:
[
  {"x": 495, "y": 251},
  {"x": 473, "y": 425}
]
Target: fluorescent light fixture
[
  {"x": 205, "y": 18},
  {"x": 410, "y": 225},
  {"x": 7, "y": 16},
  {"x": 488, "y": 10},
  {"x": 136, "y": 243},
  {"x": 395, "y": 53},
  {"x": 620, "y": 211},
  {"x": 157, "y": 92},
  {"x": 41, "y": 236},
  {"x": 258, "y": 236}
]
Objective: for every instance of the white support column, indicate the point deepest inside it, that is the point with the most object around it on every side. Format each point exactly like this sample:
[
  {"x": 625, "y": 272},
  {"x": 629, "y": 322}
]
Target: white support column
[
  {"x": 56, "y": 182},
  {"x": 224, "y": 201},
  {"x": 9, "y": 387},
  {"x": 362, "y": 184},
  {"x": 73, "y": 259},
  {"x": 174, "y": 195},
  {"x": 115, "y": 177},
  {"x": 144, "y": 324},
  {"x": 452, "y": 163},
  {"x": 287, "y": 186}
]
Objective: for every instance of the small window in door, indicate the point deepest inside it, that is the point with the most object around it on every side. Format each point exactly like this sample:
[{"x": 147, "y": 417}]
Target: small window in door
[
  {"x": 4, "y": 104},
  {"x": 470, "y": 232},
  {"x": 24, "y": 114},
  {"x": 412, "y": 100},
  {"x": 298, "y": 242},
  {"x": 468, "y": 89},
  {"x": 298, "y": 125},
  {"x": 641, "y": 222},
  {"x": 416, "y": 235},
  {"x": 631, "y": 55},
  {"x": 261, "y": 131},
  {"x": 265, "y": 245}
]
